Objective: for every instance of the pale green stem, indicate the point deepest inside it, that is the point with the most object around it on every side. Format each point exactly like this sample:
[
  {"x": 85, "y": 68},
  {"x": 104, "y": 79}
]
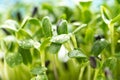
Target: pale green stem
[
  {"x": 6, "y": 77},
  {"x": 54, "y": 67},
  {"x": 73, "y": 40},
  {"x": 42, "y": 58},
  {"x": 96, "y": 73},
  {"x": 58, "y": 65},
  {"x": 111, "y": 27},
  {"x": 68, "y": 45},
  {"x": 89, "y": 72},
  {"x": 81, "y": 73}
]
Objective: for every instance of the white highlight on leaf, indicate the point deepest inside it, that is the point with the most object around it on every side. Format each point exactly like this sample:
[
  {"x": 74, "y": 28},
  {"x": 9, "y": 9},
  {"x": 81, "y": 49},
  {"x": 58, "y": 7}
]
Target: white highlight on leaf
[
  {"x": 36, "y": 44},
  {"x": 60, "y": 38},
  {"x": 62, "y": 54},
  {"x": 10, "y": 24},
  {"x": 10, "y": 38}
]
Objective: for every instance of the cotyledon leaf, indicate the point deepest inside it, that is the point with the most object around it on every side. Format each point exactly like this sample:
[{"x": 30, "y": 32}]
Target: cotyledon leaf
[
  {"x": 47, "y": 27},
  {"x": 60, "y": 38},
  {"x": 22, "y": 34},
  {"x": 116, "y": 19},
  {"x": 53, "y": 48},
  {"x": 98, "y": 47},
  {"x": 10, "y": 25},
  {"x": 40, "y": 77},
  {"x": 26, "y": 55},
  {"x": 30, "y": 20},
  {"x": 13, "y": 59},
  {"x": 27, "y": 44},
  {"x": 62, "y": 27},
  {"x": 105, "y": 14},
  {"x": 76, "y": 53},
  {"x": 38, "y": 70}
]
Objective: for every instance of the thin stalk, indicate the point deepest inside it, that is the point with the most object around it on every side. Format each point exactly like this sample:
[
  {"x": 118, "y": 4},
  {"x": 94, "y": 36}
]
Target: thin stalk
[
  {"x": 74, "y": 67},
  {"x": 111, "y": 27},
  {"x": 81, "y": 73},
  {"x": 58, "y": 66},
  {"x": 89, "y": 73},
  {"x": 68, "y": 45},
  {"x": 73, "y": 41},
  {"x": 54, "y": 67},
  {"x": 16, "y": 73},
  {"x": 5, "y": 71},
  {"x": 42, "y": 58},
  {"x": 96, "y": 73}
]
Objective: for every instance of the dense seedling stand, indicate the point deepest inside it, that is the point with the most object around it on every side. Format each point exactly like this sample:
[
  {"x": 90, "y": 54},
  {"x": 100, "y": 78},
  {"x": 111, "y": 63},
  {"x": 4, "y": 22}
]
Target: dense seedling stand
[{"x": 60, "y": 43}]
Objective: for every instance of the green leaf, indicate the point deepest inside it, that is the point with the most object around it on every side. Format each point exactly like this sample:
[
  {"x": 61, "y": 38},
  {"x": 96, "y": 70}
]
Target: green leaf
[
  {"x": 62, "y": 27},
  {"x": 118, "y": 1},
  {"x": 105, "y": 14},
  {"x": 26, "y": 55},
  {"x": 10, "y": 25},
  {"x": 40, "y": 77},
  {"x": 38, "y": 70},
  {"x": 87, "y": 16},
  {"x": 36, "y": 55},
  {"x": 13, "y": 59},
  {"x": 34, "y": 21},
  {"x": 53, "y": 48},
  {"x": 45, "y": 43},
  {"x": 86, "y": 3},
  {"x": 10, "y": 43},
  {"x": 116, "y": 19},
  {"x": 47, "y": 27},
  {"x": 38, "y": 34},
  {"x": 31, "y": 26},
  {"x": 60, "y": 38},
  {"x": 76, "y": 53},
  {"x": 22, "y": 34},
  {"x": 48, "y": 7},
  {"x": 10, "y": 39},
  {"x": 98, "y": 47},
  {"x": 31, "y": 21},
  {"x": 110, "y": 63},
  {"x": 27, "y": 44},
  {"x": 24, "y": 22}
]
